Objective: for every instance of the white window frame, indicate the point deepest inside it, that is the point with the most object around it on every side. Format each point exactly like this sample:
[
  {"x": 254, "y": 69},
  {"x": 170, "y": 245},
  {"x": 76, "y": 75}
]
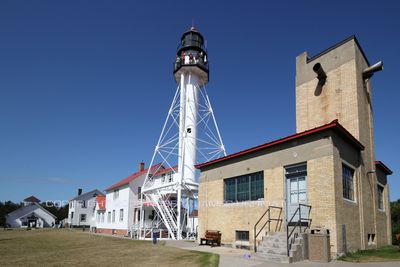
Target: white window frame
[
  {"x": 354, "y": 182},
  {"x": 121, "y": 215}
]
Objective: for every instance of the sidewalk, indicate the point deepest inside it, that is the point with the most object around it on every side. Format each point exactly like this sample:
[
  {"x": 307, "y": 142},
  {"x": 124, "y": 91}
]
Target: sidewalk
[{"x": 230, "y": 257}]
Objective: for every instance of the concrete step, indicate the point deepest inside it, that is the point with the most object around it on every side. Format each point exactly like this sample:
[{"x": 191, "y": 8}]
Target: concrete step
[
  {"x": 273, "y": 241},
  {"x": 273, "y": 245},
  {"x": 277, "y": 251},
  {"x": 276, "y": 234}
]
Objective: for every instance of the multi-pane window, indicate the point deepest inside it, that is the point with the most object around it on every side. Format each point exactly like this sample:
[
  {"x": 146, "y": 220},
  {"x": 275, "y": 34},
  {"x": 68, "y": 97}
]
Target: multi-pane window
[
  {"x": 380, "y": 197},
  {"x": 83, "y": 217},
  {"x": 244, "y": 188},
  {"x": 348, "y": 182},
  {"x": 242, "y": 235},
  {"x": 121, "y": 215},
  {"x": 113, "y": 216},
  {"x": 83, "y": 204},
  {"x": 109, "y": 217}
]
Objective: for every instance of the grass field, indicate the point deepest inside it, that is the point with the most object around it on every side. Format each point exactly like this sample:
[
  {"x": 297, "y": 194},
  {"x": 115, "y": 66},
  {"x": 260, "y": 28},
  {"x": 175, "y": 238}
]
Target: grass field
[
  {"x": 387, "y": 253},
  {"x": 62, "y": 247}
]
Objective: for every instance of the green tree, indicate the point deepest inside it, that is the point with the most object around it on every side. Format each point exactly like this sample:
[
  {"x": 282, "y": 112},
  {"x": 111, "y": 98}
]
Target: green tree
[
  {"x": 5, "y": 208},
  {"x": 395, "y": 210},
  {"x": 60, "y": 212}
]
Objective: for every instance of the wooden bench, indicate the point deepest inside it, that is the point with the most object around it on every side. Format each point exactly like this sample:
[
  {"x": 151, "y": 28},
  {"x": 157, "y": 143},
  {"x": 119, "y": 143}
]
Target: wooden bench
[{"x": 212, "y": 238}]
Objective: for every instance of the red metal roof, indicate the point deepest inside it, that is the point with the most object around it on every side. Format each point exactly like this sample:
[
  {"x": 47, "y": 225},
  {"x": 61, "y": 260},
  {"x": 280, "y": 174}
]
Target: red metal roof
[
  {"x": 32, "y": 199},
  {"x": 133, "y": 177},
  {"x": 334, "y": 125},
  {"x": 383, "y": 167},
  {"x": 101, "y": 201},
  {"x": 149, "y": 204}
]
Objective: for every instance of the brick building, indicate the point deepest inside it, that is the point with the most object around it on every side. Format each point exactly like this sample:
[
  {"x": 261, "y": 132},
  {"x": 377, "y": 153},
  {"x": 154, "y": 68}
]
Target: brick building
[{"x": 324, "y": 176}]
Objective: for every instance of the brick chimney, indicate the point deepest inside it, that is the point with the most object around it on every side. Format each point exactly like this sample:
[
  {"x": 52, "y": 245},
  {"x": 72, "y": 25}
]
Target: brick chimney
[
  {"x": 79, "y": 191},
  {"x": 141, "y": 166}
]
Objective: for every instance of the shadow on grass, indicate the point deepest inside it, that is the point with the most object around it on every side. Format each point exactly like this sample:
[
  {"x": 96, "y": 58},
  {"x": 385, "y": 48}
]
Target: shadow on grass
[
  {"x": 209, "y": 259},
  {"x": 386, "y": 253}
]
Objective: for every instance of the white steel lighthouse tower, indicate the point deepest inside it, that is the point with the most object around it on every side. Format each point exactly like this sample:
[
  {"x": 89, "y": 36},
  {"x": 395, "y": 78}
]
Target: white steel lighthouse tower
[{"x": 189, "y": 136}]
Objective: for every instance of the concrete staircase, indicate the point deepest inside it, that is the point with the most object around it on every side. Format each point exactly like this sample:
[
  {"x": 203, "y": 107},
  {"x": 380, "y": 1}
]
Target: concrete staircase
[{"x": 273, "y": 247}]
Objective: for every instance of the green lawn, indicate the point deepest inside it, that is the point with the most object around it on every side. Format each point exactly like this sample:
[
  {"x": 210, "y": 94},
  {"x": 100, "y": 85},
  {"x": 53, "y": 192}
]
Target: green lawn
[
  {"x": 387, "y": 253},
  {"x": 63, "y": 247}
]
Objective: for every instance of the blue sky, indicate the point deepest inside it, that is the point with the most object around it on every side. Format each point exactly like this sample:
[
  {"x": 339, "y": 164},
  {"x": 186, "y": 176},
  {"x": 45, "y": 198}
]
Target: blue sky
[{"x": 85, "y": 85}]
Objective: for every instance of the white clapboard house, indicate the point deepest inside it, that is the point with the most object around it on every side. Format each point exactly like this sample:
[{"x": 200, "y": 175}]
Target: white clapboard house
[
  {"x": 81, "y": 212},
  {"x": 118, "y": 212}
]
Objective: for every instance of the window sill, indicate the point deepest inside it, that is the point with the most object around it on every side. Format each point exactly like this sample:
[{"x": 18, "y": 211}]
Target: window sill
[
  {"x": 244, "y": 203},
  {"x": 350, "y": 201},
  {"x": 382, "y": 211}
]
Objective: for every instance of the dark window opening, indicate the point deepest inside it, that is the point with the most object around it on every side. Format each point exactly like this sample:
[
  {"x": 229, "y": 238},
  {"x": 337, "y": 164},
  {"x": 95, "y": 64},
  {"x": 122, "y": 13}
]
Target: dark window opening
[
  {"x": 348, "y": 182},
  {"x": 242, "y": 235},
  {"x": 244, "y": 188},
  {"x": 380, "y": 197}
]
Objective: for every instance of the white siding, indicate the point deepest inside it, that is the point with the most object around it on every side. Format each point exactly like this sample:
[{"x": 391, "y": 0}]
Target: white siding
[
  {"x": 77, "y": 209},
  {"x": 116, "y": 204}
]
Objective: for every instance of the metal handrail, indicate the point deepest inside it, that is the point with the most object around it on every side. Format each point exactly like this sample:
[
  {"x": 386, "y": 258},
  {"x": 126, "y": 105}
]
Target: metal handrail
[
  {"x": 298, "y": 223},
  {"x": 268, "y": 211}
]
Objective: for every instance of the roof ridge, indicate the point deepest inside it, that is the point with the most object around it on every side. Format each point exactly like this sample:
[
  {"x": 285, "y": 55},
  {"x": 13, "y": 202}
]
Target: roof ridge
[
  {"x": 25, "y": 207},
  {"x": 336, "y": 45},
  {"x": 87, "y": 193},
  {"x": 131, "y": 177}
]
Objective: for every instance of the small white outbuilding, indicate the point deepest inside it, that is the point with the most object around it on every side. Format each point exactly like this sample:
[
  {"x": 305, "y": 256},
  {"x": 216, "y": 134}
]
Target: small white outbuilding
[{"x": 30, "y": 215}]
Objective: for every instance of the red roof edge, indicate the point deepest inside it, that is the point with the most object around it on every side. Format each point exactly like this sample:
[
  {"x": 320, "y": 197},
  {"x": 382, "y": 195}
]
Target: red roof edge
[
  {"x": 383, "y": 167},
  {"x": 32, "y": 199},
  {"x": 332, "y": 125},
  {"x": 132, "y": 177}
]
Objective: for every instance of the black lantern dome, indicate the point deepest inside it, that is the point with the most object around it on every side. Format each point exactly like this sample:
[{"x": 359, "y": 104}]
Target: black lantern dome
[{"x": 191, "y": 54}]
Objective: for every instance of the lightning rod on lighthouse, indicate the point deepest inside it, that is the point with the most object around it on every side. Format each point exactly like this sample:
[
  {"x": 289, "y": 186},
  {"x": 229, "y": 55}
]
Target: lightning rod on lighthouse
[{"x": 189, "y": 136}]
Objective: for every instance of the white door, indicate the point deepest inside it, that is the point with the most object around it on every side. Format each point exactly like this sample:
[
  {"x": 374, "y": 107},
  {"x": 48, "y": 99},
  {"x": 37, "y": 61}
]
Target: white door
[{"x": 296, "y": 185}]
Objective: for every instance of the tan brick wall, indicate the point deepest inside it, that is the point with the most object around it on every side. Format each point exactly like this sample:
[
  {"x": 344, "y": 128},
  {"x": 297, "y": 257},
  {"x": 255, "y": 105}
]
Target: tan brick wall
[
  {"x": 347, "y": 212},
  {"x": 227, "y": 218},
  {"x": 337, "y": 100},
  {"x": 384, "y": 234},
  {"x": 215, "y": 215},
  {"x": 321, "y": 196},
  {"x": 346, "y": 97}
]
